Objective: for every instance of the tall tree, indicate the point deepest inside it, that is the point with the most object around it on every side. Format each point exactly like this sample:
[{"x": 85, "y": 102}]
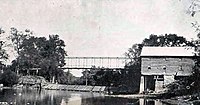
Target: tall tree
[
  {"x": 46, "y": 54},
  {"x": 54, "y": 55},
  {"x": 134, "y": 54},
  {"x": 3, "y": 53},
  {"x": 17, "y": 38},
  {"x": 193, "y": 8},
  {"x": 169, "y": 40}
]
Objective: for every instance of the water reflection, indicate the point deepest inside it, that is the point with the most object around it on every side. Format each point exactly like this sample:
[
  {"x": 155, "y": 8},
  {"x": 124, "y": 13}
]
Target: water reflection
[
  {"x": 75, "y": 99},
  {"x": 150, "y": 102},
  {"x": 49, "y": 97}
]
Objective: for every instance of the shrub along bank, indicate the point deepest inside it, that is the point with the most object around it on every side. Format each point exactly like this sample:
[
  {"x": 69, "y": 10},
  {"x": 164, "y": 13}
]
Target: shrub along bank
[{"x": 8, "y": 78}]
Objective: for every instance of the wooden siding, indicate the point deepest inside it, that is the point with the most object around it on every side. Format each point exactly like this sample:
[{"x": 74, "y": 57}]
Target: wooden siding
[{"x": 174, "y": 66}]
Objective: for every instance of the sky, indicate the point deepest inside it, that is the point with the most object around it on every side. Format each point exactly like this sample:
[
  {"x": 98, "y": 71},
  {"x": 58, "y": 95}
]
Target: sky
[{"x": 98, "y": 27}]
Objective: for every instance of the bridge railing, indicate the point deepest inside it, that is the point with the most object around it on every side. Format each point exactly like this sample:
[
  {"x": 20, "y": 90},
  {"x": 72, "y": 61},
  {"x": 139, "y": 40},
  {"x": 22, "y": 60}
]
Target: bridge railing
[{"x": 88, "y": 62}]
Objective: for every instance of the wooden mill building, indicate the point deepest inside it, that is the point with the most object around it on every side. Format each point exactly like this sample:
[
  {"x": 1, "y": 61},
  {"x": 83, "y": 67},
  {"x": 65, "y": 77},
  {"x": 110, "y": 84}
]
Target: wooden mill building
[{"x": 163, "y": 65}]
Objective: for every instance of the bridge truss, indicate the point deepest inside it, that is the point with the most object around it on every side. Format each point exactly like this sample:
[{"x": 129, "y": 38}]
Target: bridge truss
[{"x": 101, "y": 62}]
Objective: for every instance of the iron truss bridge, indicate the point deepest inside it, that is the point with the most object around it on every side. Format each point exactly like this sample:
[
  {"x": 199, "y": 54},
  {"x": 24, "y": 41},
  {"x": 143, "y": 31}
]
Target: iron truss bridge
[{"x": 95, "y": 62}]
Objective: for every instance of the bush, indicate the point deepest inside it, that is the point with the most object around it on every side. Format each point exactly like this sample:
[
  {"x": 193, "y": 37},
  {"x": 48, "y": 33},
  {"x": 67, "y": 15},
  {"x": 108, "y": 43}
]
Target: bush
[{"x": 8, "y": 78}]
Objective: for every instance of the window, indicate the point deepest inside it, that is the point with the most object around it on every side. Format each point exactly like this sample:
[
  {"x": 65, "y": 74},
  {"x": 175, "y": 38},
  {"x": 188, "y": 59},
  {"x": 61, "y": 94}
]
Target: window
[
  {"x": 180, "y": 68},
  {"x": 149, "y": 67},
  {"x": 164, "y": 67}
]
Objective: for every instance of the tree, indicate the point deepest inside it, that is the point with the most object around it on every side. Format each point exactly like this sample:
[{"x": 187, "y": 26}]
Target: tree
[
  {"x": 168, "y": 40},
  {"x": 134, "y": 54},
  {"x": 8, "y": 78},
  {"x": 104, "y": 77},
  {"x": 3, "y": 54},
  {"x": 53, "y": 55},
  {"x": 193, "y": 8},
  {"x": 39, "y": 52},
  {"x": 17, "y": 37}
]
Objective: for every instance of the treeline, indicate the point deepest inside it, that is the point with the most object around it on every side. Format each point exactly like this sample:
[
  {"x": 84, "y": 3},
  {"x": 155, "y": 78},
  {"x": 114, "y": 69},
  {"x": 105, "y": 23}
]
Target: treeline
[
  {"x": 41, "y": 53},
  {"x": 46, "y": 56},
  {"x": 34, "y": 55}
]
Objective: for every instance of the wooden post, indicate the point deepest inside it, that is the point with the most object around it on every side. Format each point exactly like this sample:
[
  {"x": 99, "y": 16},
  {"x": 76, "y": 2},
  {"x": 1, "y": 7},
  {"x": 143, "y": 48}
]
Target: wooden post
[
  {"x": 142, "y": 84},
  {"x": 86, "y": 75},
  {"x": 145, "y": 83}
]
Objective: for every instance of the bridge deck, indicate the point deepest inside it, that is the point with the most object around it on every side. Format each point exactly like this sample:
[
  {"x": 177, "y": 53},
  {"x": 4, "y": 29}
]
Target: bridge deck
[{"x": 89, "y": 62}]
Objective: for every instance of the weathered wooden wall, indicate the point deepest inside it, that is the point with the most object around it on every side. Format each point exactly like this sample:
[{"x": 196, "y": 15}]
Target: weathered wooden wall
[{"x": 174, "y": 66}]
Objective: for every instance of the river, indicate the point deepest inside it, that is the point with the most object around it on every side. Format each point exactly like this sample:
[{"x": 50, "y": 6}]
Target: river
[{"x": 56, "y": 97}]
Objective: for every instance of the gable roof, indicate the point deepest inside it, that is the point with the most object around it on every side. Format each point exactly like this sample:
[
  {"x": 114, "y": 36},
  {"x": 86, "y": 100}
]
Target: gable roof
[{"x": 167, "y": 51}]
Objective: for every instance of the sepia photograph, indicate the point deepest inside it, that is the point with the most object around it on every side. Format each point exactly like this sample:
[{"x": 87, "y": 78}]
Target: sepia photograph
[{"x": 99, "y": 52}]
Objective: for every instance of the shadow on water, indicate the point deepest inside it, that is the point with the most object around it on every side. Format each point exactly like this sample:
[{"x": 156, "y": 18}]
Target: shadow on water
[{"x": 51, "y": 97}]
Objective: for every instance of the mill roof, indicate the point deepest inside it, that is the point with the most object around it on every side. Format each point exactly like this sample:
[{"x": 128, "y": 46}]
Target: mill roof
[{"x": 168, "y": 51}]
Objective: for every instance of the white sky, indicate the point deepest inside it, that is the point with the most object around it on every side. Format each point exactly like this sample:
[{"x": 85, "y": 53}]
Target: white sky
[{"x": 98, "y": 27}]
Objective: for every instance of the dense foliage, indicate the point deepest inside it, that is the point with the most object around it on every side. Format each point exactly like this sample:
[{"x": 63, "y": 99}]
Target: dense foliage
[
  {"x": 47, "y": 55},
  {"x": 8, "y": 78},
  {"x": 3, "y": 53}
]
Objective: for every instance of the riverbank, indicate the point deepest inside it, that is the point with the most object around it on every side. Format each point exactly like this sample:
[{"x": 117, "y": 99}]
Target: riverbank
[
  {"x": 40, "y": 83},
  {"x": 182, "y": 100},
  {"x": 193, "y": 99},
  {"x": 136, "y": 96},
  {"x": 178, "y": 100},
  {"x": 81, "y": 88}
]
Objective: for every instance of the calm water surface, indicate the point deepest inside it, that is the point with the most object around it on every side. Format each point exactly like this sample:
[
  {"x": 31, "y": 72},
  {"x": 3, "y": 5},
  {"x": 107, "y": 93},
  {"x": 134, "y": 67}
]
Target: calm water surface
[{"x": 51, "y": 97}]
